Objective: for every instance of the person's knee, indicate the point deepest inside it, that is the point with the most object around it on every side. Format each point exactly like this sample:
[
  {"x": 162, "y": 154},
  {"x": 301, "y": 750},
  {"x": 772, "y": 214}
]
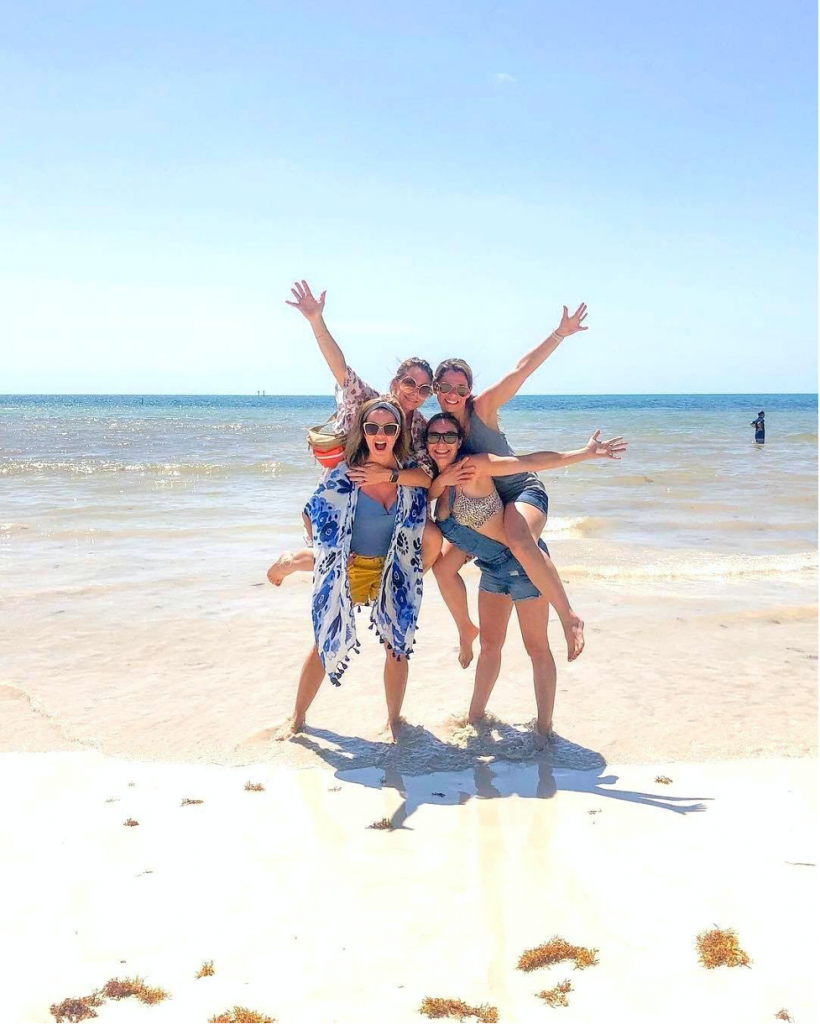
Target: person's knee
[
  {"x": 431, "y": 541},
  {"x": 520, "y": 542},
  {"x": 537, "y": 648},
  {"x": 444, "y": 569},
  {"x": 491, "y": 644}
]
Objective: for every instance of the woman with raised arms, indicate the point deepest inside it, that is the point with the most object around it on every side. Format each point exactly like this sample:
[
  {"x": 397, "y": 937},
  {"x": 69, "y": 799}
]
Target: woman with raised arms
[
  {"x": 522, "y": 493},
  {"x": 367, "y": 546},
  {"x": 411, "y": 386},
  {"x": 472, "y": 518}
]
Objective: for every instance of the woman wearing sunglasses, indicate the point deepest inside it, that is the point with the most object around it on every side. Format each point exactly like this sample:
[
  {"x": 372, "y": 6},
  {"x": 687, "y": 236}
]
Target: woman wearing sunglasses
[
  {"x": 523, "y": 494},
  {"x": 412, "y": 385},
  {"x": 367, "y": 545},
  {"x": 472, "y": 518}
]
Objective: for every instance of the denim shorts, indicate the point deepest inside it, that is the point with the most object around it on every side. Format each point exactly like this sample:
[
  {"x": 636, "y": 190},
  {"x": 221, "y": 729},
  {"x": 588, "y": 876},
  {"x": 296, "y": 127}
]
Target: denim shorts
[
  {"x": 501, "y": 572},
  {"x": 507, "y": 576},
  {"x": 536, "y": 496}
]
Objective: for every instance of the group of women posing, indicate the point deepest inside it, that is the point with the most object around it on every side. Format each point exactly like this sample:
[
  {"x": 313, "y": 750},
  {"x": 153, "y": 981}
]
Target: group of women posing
[{"x": 372, "y": 538}]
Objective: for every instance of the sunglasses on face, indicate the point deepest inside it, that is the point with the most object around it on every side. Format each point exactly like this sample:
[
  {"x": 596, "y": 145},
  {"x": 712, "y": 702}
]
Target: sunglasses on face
[
  {"x": 408, "y": 385},
  {"x": 447, "y": 436},
  {"x": 388, "y": 429},
  {"x": 462, "y": 390}
]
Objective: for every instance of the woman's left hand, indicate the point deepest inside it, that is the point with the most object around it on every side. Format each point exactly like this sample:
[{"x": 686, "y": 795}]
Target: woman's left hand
[
  {"x": 611, "y": 449},
  {"x": 370, "y": 473},
  {"x": 572, "y": 324}
]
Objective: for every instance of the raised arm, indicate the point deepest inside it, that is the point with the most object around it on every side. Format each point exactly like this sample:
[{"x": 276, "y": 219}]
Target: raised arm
[
  {"x": 312, "y": 309},
  {"x": 489, "y": 401},
  {"x": 506, "y": 465}
]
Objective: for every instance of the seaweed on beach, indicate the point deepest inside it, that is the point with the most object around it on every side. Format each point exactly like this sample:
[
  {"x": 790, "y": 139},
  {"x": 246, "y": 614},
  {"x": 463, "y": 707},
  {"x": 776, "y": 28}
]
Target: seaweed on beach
[
  {"x": 241, "y": 1015},
  {"x": 457, "y": 1009},
  {"x": 188, "y": 802},
  {"x": 254, "y": 787},
  {"x": 664, "y": 779},
  {"x": 783, "y": 1015},
  {"x": 556, "y": 996},
  {"x": 124, "y": 988},
  {"x": 720, "y": 948},
  {"x": 206, "y": 970},
  {"x": 130, "y": 822},
  {"x": 554, "y": 952},
  {"x": 113, "y": 800},
  {"x": 383, "y": 824},
  {"x": 75, "y": 1010}
]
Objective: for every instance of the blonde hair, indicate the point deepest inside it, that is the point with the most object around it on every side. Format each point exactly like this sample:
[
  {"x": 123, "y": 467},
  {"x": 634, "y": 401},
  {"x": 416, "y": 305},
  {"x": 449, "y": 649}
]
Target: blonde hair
[{"x": 356, "y": 450}]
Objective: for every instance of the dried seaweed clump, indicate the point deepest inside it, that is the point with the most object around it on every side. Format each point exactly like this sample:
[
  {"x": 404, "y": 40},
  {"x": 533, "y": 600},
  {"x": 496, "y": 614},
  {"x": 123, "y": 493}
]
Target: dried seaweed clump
[
  {"x": 254, "y": 787},
  {"x": 556, "y": 996},
  {"x": 553, "y": 952},
  {"x": 456, "y": 1009},
  {"x": 720, "y": 948},
  {"x": 130, "y": 822},
  {"x": 188, "y": 802},
  {"x": 76, "y": 1009},
  {"x": 663, "y": 778},
  {"x": 206, "y": 970},
  {"x": 123, "y": 989},
  {"x": 385, "y": 824},
  {"x": 241, "y": 1015},
  {"x": 783, "y": 1015}
]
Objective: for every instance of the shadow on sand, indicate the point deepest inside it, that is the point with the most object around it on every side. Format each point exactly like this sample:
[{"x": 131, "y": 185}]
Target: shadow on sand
[{"x": 501, "y": 761}]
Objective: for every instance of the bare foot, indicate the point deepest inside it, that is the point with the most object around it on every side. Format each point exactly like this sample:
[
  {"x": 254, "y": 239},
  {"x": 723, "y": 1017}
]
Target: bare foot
[
  {"x": 291, "y": 727},
  {"x": 542, "y": 735},
  {"x": 465, "y": 645},
  {"x": 574, "y": 632},
  {"x": 394, "y": 729},
  {"x": 282, "y": 567}
]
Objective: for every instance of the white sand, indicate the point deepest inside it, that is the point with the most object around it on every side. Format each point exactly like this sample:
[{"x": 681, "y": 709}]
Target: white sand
[{"x": 310, "y": 916}]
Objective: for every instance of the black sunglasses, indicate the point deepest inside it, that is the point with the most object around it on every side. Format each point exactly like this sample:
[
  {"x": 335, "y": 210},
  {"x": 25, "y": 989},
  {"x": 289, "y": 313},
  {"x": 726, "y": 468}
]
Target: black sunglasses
[
  {"x": 388, "y": 429},
  {"x": 460, "y": 389},
  {"x": 408, "y": 385},
  {"x": 447, "y": 436}
]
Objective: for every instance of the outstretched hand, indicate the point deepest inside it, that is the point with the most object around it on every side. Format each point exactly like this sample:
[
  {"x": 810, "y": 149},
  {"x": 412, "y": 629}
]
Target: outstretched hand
[
  {"x": 611, "y": 449},
  {"x": 307, "y": 305},
  {"x": 572, "y": 324}
]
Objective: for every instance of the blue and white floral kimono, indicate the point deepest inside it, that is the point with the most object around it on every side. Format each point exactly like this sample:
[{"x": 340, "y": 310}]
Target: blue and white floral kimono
[{"x": 394, "y": 614}]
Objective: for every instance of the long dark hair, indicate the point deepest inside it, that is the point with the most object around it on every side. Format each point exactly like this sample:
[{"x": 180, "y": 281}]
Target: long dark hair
[{"x": 356, "y": 450}]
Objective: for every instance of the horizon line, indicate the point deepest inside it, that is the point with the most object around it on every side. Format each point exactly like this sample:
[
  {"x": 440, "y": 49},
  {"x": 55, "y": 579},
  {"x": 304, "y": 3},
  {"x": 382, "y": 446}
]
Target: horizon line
[{"x": 326, "y": 395}]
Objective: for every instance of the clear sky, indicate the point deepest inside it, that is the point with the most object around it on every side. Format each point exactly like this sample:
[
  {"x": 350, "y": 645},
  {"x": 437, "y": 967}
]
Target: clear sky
[{"x": 451, "y": 172}]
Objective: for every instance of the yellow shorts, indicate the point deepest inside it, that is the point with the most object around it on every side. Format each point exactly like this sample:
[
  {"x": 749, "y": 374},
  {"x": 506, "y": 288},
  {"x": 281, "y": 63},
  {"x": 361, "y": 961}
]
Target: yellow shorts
[{"x": 365, "y": 576}]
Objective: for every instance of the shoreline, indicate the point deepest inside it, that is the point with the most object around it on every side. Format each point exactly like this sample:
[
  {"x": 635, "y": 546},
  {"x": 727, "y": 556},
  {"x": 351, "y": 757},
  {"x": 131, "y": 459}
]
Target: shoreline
[{"x": 308, "y": 914}]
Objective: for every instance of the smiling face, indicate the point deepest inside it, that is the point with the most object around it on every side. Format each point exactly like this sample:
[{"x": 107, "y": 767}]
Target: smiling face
[
  {"x": 450, "y": 400},
  {"x": 410, "y": 398},
  {"x": 442, "y": 452},
  {"x": 381, "y": 445}
]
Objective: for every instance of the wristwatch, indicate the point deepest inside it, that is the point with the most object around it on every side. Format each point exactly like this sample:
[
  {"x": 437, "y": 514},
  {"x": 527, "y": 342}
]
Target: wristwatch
[{"x": 394, "y": 476}]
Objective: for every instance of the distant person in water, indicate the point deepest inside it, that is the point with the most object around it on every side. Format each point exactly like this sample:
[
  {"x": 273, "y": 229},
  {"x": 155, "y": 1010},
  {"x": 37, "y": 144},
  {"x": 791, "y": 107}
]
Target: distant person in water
[{"x": 760, "y": 428}]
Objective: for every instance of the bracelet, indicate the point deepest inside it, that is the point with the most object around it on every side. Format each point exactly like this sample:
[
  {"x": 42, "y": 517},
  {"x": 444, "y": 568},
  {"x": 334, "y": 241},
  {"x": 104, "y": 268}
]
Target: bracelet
[{"x": 557, "y": 336}]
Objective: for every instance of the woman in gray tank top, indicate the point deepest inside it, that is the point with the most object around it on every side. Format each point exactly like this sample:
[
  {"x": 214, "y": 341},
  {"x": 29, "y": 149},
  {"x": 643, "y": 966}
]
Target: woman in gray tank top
[{"x": 524, "y": 496}]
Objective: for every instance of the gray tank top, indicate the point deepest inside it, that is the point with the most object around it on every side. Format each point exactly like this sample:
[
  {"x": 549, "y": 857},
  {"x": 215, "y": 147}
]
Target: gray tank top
[{"x": 482, "y": 438}]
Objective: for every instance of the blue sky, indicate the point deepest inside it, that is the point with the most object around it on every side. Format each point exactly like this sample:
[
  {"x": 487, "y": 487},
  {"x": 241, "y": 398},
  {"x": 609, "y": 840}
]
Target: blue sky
[{"x": 451, "y": 173}]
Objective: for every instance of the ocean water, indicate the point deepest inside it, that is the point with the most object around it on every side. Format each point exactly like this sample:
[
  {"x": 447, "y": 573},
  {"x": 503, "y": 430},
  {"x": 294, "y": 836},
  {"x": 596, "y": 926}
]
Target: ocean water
[{"x": 131, "y": 527}]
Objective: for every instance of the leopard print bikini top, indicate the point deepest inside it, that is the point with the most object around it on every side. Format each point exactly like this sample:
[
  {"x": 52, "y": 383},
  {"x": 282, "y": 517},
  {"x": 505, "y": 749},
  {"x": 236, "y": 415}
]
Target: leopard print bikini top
[{"x": 474, "y": 512}]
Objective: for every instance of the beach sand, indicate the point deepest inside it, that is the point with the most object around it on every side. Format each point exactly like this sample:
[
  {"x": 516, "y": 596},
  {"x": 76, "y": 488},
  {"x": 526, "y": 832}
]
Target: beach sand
[{"x": 309, "y": 915}]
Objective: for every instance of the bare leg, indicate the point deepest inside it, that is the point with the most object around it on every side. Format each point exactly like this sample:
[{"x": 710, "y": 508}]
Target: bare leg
[
  {"x": 288, "y": 561},
  {"x": 309, "y": 682},
  {"x": 454, "y": 593},
  {"x": 494, "y": 612},
  {"x": 395, "y": 684},
  {"x": 533, "y": 616},
  {"x": 523, "y": 525},
  {"x": 431, "y": 541}
]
